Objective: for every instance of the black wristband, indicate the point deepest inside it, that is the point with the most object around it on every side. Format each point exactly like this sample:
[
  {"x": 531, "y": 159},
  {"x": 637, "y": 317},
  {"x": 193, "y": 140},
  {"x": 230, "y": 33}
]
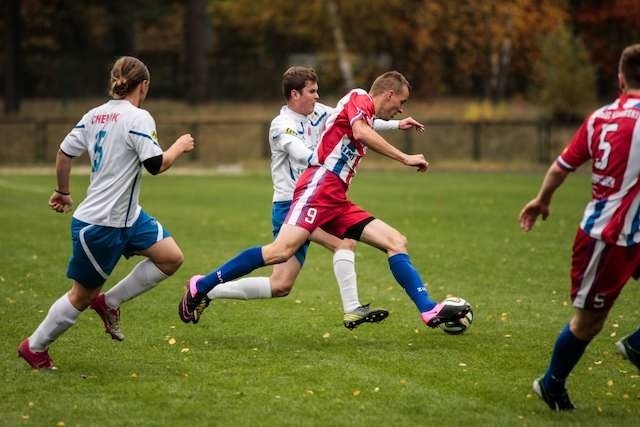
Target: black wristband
[{"x": 62, "y": 192}]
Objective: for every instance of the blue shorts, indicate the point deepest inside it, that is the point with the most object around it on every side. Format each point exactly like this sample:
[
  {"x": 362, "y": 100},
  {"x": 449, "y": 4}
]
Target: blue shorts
[
  {"x": 97, "y": 249},
  {"x": 278, "y": 214}
]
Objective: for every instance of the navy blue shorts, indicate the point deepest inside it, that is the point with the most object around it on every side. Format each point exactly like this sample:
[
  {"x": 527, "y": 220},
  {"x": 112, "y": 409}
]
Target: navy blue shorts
[
  {"x": 97, "y": 249},
  {"x": 278, "y": 214}
]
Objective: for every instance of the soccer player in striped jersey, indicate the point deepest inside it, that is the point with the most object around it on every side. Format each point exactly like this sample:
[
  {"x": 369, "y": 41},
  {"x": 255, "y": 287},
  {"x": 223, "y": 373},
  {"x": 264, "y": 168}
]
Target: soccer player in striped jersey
[
  {"x": 605, "y": 250},
  {"x": 120, "y": 138},
  {"x": 293, "y": 135},
  {"x": 320, "y": 200}
]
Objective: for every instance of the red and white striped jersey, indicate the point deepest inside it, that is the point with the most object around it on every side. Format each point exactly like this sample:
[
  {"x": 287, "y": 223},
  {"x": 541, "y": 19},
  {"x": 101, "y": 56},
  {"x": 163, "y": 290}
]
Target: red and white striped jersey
[
  {"x": 610, "y": 138},
  {"x": 338, "y": 151}
]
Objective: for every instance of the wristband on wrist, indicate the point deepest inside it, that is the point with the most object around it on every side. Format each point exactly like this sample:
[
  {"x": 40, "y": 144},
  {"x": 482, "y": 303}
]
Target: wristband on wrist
[{"x": 62, "y": 193}]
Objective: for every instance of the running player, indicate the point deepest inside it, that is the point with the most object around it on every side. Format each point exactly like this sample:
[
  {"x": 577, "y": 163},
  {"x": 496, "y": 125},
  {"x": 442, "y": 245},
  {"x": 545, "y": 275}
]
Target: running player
[
  {"x": 605, "y": 251},
  {"x": 120, "y": 137},
  {"x": 293, "y": 135},
  {"x": 320, "y": 201}
]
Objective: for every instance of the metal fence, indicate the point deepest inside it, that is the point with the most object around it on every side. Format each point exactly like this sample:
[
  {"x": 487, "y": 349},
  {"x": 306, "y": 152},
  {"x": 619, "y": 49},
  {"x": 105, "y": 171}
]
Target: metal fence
[{"x": 224, "y": 141}]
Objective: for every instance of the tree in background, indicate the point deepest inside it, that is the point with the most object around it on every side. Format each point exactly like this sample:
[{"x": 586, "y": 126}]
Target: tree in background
[
  {"x": 239, "y": 48},
  {"x": 565, "y": 76},
  {"x": 606, "y": 28}
]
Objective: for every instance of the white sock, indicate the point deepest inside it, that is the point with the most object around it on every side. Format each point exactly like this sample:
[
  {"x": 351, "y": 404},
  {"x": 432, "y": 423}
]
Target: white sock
[
  {"x": 61, "y": 316},
  {"x": 143, "y": 277},
  {"x": 345, "y": 272},
  {"x": 245, "y": 288}
]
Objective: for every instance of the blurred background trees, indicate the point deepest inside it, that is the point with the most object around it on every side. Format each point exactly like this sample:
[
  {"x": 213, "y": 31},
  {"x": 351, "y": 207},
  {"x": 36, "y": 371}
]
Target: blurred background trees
[{"x": 562, "y": 53}]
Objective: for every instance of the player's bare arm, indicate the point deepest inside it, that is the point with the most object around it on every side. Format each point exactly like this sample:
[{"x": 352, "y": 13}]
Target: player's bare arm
[
  {"x": 183, "y": 144},
  {"x": 363, "y": 133},
  {"x": 539, "y": 206},
  {"x": 60, "y": 201}
]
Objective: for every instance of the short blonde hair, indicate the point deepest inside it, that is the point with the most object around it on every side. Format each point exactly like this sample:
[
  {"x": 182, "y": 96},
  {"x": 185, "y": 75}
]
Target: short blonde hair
[{"x": 391, "y": 80}]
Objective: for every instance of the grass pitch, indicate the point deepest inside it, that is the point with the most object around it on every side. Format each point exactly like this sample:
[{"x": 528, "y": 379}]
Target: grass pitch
[{"x": 290, "y": 361}]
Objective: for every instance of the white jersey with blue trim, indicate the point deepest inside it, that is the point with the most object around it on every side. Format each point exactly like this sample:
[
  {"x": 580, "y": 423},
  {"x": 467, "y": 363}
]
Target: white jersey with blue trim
[
  {"x": 292, "y": 138},
  {"x": 118, "y": 137}
]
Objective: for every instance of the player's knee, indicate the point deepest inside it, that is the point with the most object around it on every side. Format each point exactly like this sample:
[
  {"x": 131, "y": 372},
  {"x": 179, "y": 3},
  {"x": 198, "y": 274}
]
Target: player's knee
[
  {"x": 280, "y": 286},
  {"x": 81, "y": 297},
  {"x": 279, "y": 292},
  {"x": 586, "y": 329},
  {"x": 276, "y": 254},
  {"x": 398, "y": 243},
  {"x": 171, "y": 261},
  {"x": 348, "y": 244}
]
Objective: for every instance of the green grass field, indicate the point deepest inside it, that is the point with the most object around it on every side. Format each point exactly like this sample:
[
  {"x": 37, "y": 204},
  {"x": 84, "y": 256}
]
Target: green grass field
[{"x": 290, "y": 361}]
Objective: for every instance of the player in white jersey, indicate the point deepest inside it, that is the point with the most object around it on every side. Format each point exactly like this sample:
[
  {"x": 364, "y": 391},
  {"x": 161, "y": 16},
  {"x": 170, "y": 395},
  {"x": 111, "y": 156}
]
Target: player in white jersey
[
  {"x": 293, "y": 136},
  {"x": 120, "y": 138}
]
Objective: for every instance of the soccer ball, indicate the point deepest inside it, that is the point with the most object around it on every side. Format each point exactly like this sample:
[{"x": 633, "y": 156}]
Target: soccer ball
[{"x": 457, "y": 327}]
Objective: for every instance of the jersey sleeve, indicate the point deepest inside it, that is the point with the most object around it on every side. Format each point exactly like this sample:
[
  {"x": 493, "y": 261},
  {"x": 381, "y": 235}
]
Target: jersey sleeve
[
  {"x": 577, "y": 151},
  {"x": 379, "y": 124},
  {"x": 284, "y": 137},
  {"x": 75, "y": 143},
  {"x": 359, "y": 107},
  {"x": 143, "y": 137}
]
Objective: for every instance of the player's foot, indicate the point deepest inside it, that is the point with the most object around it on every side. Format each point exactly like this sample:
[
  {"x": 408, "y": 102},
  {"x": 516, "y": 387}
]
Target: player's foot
[
  {"x": 190, "y": 301},
  {"x": 556, "y": 402},
  {"x": 206, "y": 301},
  {"x": 35, "y": 359},
  {"x": 364, "y": 314},
  {"x": 110, "y": 317},
  {"x": 444, "y": 312},
  {"x": 628, "y": 352}
]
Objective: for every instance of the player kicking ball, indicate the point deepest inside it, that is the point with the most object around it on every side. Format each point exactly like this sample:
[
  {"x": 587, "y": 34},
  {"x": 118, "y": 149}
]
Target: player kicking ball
[
  {"x": 320, "y": 200},
  {"x": 293, "y": 135}
]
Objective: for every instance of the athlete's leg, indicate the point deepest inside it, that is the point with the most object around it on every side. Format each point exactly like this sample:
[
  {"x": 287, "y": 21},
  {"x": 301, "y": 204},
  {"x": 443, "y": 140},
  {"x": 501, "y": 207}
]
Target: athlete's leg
[
  {"x": 570, "y": 346},
  {"x": 163, "y": 259},
  {"x": 278, "y": 284},
  {"x": 61, "y": 316},
  {"x": 343, "y": 266},
  {"x": 288, "y": 241},
  {"x": 381, "y": 235},
  {"x": 280, "y": 250}
]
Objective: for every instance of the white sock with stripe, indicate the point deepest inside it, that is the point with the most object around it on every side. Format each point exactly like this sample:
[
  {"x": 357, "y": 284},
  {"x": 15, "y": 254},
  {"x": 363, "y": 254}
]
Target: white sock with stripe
[
  {"x": 61, "y": 316},
  {"x": 245, "y": 288},
  {"x": 345, "y": 271},
  {"x": 144, "y": 276}
]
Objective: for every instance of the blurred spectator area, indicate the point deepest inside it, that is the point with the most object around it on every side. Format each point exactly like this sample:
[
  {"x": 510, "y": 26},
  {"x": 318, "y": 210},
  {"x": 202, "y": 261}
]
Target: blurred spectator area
[{"x": 28, "y": 141}]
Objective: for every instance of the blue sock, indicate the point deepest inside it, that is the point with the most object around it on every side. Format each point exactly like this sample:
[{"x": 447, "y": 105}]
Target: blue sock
[
  {"x": 243, "y": 263},
  {"x": 566, "y": 353},
  {"x": 634, "y": 340},
  {"x": 410, "y": 280}
]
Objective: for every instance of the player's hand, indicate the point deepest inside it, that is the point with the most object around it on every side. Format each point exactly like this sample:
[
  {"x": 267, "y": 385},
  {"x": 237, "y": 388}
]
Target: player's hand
[
  {"x": 410, "y": 122},
  {"x": 60, "y": 203},
  {"x": 186, "y": 142},
  {"x": 417, "y": 161},
  {"x": 530, "y": 213}
]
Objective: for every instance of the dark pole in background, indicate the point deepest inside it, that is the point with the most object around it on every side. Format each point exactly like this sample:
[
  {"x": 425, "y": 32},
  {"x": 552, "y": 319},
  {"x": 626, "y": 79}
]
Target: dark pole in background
[
  {"x": 197, "y": 37},
  {"x": 13, "y": 56}
]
